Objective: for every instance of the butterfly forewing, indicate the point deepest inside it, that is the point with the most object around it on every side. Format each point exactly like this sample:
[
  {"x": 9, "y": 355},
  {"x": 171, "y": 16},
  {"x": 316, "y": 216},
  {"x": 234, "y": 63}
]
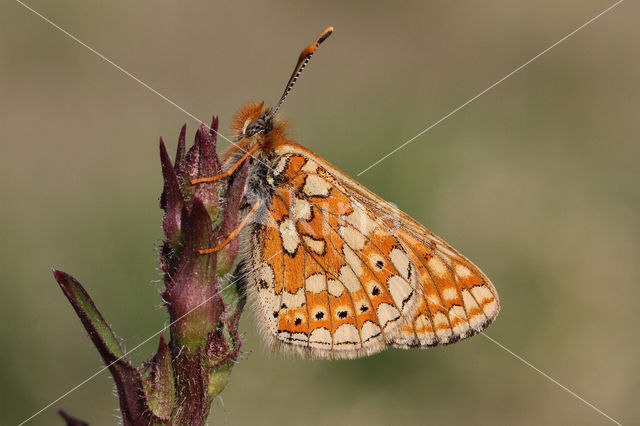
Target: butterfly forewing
[{"x": 339, "y": 272}]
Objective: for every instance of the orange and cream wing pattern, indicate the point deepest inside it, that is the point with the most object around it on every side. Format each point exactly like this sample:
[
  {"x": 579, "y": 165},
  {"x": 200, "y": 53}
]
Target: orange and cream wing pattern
[{"x": 339, "y": 272}]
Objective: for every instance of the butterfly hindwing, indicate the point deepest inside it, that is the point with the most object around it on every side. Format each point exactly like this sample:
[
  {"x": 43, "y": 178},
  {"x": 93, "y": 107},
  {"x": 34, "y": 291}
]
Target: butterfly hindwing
[{"x": 339, "y": 272}]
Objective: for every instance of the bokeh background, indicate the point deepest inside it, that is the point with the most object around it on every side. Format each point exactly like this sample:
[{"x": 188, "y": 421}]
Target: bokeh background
[{"x": 536, "y": 181}]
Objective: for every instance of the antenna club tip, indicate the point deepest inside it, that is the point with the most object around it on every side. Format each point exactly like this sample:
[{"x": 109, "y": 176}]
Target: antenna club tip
[
  {"x": 324, "y": 35},
  {"x": 303, "y": 60}
]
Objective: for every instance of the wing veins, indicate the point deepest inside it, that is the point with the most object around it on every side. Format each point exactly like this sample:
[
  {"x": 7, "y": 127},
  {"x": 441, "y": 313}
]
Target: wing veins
[
  {"x": 415, "y": 230},
  {"x": 308, "y": 252},
  {"x": 306, "y": 300},
  {"x": 353, "y": 304},
  {"x": 455, "y": 282},
  {"x": 435, "y": 252},
  {"x": 420, "y": 290},
  {"x": 439, "y": 295},
  {"x": 337, "y": 278},
  {"x": 383, "y": 255}
]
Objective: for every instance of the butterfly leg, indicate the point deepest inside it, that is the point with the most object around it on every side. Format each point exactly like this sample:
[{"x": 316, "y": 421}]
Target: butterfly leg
[
  {"x": 231, "y": 169},
  {"x": 255, "y": 204}
]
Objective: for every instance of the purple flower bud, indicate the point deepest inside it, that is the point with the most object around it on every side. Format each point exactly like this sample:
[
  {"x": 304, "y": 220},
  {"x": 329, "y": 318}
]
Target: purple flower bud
[{"x": 202, "y": 296}]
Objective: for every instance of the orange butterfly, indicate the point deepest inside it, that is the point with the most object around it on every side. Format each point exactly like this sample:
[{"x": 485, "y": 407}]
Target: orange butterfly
[{"x": 335, "y": 270}]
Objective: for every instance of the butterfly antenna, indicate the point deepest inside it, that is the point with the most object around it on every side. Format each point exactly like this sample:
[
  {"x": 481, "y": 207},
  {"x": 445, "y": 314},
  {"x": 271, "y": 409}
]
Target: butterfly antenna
[{"x": 303, "y": 60}]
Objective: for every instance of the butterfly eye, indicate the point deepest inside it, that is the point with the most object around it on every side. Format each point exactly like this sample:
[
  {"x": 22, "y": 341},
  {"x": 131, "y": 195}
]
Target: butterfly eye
[
  {"x": 262, "y": 124},
  {"x": 254, "y": 127}
]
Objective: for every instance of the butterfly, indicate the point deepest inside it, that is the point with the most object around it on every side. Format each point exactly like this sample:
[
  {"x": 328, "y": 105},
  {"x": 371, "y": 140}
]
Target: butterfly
[{"x": 334, "y": 270}]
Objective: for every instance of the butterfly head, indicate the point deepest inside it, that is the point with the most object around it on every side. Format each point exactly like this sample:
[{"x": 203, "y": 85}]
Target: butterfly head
[{"x": 256, "y": 119}]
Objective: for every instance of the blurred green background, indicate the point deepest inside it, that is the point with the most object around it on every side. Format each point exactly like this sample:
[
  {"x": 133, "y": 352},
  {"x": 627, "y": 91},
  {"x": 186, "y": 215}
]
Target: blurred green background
[{"x": 536, "y": 181}]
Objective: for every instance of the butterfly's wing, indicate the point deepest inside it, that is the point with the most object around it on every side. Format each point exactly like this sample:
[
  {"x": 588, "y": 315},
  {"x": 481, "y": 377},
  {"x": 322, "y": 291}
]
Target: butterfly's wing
[
  {"x": 457, "y": 299},
  {"x": 339, "y": 272}
]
